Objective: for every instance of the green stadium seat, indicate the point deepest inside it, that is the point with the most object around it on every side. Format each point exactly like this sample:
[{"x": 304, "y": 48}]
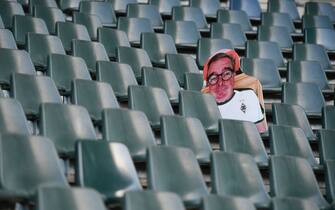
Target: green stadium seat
[
  {"x": 40, "y": 46},
  {"x": 62, "y": 69},
  {"x": 65, "y": 124},
  {"x": 75, "y": 198},
  {"x": 119, "y": 75},
  {"x": 330, "y": 180},
  {"x": 307, "y": 71},
  {"x": 209, "y": 8},
  {"x": 278, "y": 19},
  {"x": 321, "y": 36},
  {"x": 320, "y": 8},
  {"x": 45, "y": 3},
  {"x": 292, "y": 115},
  {"x": 162, "y": 78},
  {"x": 265, "y": 71},
  {"x": 181, "y": 64},
  {"x": 107, "y": 168},
  {"x": 316, "y": 21},
  {"x": 208, "y": 46},
  {"x": 230, "y": 31},
  {"x": 234, "y": 174},
  {"x": 120, "y": 6},
  {"x": 187, "y": 182},
  {"x": 50, "y": 16},
  {"x": 265, "y": 49},
  {"x": 242, "y": 137},
  {"x": 36, "y": 165},
  {"x": 68, "y": 31},
  {"x": 235, "y": 16},
  {"x": 8, "y": 9},
  {"x": 91, "y": 52},
  {"x": 41, "y": 89},
  {"x": 153, "y": 101},
  {"x": 24, "y": 24},
  {"x": 69, "y": 5},
  {"x": 165, "y": 6},
  {"x": 104, "y": 11},
  {"x": 186, "y": 132},
  {"x": 138, "y": 136},
  {"x": 112, "y": 39},
  {"x": 157, "y": 46},
  {"x": 201, "y": 106},
  {"x": 184, "y": 33},
  {"x": 12, "y": 118},
  {"x": 328, "y": 114},
  {"x": 193, "y": 81},
  {"x": 14, "y": 61},
  {"x": 194, "y": 14},
  {"x": 289, "y": 203},
  {"x": 152, "y": 200},
  {"x": 7, "y": 39},
  {"x": 312, "y": 100},
  {"x": 291, "y": 141},
  {"x": 278, "y": 34},
  {"x": 133, "y": 27},
  {"x": 91, "y": 22},
  {"x": 136, "y": 58},
  {"x": 284, "y": 6},
  {"x": 294, "y": 177},
  {"x": 326, "y": 145},
  {"x": 2, "y": 25},
  {"x": 251, "y": 7},
  {"x": 218, "y": 202},
  {"x": 94, "y": 96},
  {"x": 146, "y": 11}
]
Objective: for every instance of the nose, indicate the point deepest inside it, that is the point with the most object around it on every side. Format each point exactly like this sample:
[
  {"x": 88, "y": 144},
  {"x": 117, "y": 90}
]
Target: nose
[{"x": 220, "y": 81}]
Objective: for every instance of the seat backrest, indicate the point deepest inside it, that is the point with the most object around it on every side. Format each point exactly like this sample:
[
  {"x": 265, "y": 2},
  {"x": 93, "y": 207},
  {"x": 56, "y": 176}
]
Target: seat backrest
[
  {"x": 251, "y": 7},
  {"x": 62, "y": 69},
  {"x": 264, "y": 70},
  {"x": 278, "y": 19},
  {"x": 157, "y": 46},
  {"x": 278, "y": 34},
  {"x": 94, "y": 96},
  {"x": 230, "y": 31},
  {"x": 234, "y": 16},
  {"x": 194, "y": 14},
  {"x": 201, "y": 106},
  {"x": 284, "y": 6},
  {"x": 209, "y": 8},
  {"x": 64, "y": 124},
  {"x": 133, "y": 27},
  {"x": 67, "y": 31},
  {"x": 136, "y": 58},
  {"x": 313, "y": 52},
  {"x": 40, "y": 46},
  {"x": 316, "y": 21},
  {"x": 326, "y": 145},
  {"x": 132, "y": 129},
  {"x": 187, "y": 182},
  {"x": 330, "y": 180},
  {"x": 328, "y": 117},
  {"x": 145, "y": 11},
  {"x": 182, "y": 32},
  {"x": 24, "y": 24},
  {"x": 165, "y": 6},
  {"x": 320, "y": 8},
  {"x": 41, "y": 89},
  {"x": 231, "y": 175},
  {"x": 152, "y": 200},
  {"x": 91, "y": 52},
  {"x": 14, "y": 61},
  {"x": 104, "y": 11},
  {"x": 107, "y": 168},
  {"x": 92, "y": 23},
  {"x": 161, "y": 78},
  {"x": 118, "y": 75},
  {"x": 75, "y": 198},
  {"x": 208, "y": 46},
  {"x": 321, "y": 36},
  {"x": 294, "y": 177},
  {"x": 120, "y": 6},
  {"x": 112, "y": 39},
  {"x": 37, "y": 165},
  {"x": 48, "y": 3},
  {"x": 287, "y": 140},
  {"x": 12, "y": 117},
  {"x": 312, "y": 100},
  {"x": 153, "y": 101},
  {"x": 8, "y": 9},
  {"x": 242, "y": 137},
  {"x": 290, "y": 203},
  {"x": 292, "y": 115},
  {"x": 50, "y": 16},
  {"x": 219, "y": 202},
  {"x": 193, "y": 81},
  {"x": 69, "y": 5},
  {"x": 307, "y": 71},
  {"x": 186, "y": 132},
  {"x": 7, "y": 39}
]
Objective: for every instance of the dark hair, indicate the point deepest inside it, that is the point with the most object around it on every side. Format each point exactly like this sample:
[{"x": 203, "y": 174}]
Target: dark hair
[{"x": 218, "y": 57}]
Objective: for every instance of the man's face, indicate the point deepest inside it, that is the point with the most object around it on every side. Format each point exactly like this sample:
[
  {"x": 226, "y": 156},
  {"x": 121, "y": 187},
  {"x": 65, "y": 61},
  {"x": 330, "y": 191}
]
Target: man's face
[{"x": 221, "y": 79}]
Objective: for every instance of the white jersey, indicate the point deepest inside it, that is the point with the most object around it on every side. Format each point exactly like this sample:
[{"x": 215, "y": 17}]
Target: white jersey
[{"x": 244, "y": 105}]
